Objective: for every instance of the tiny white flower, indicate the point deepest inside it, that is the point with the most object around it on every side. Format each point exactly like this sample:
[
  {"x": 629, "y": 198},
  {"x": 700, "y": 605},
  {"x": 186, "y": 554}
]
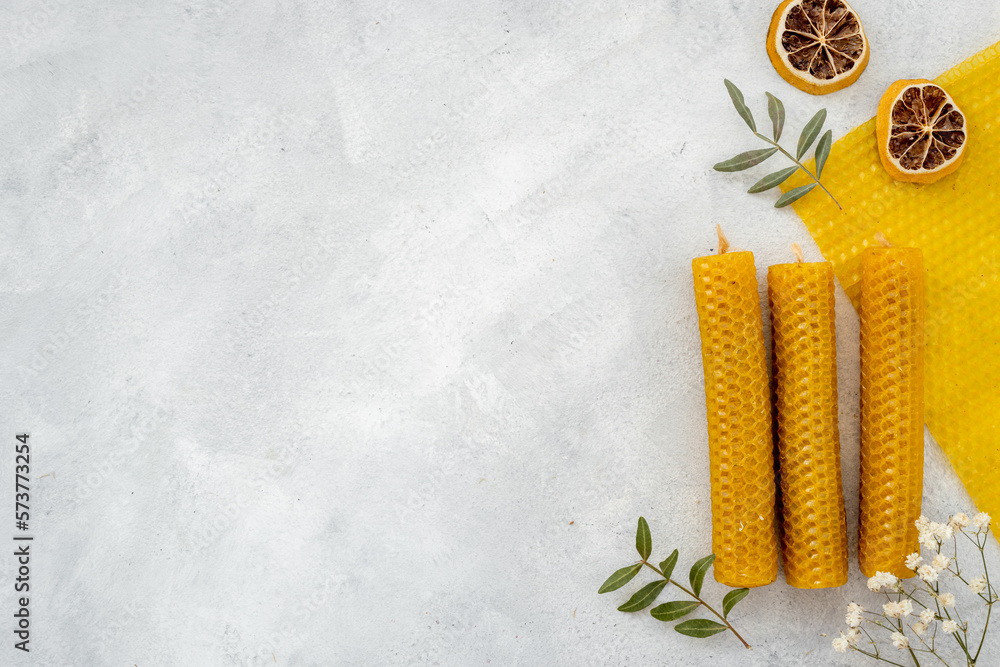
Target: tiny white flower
[
  {"x": 840, "y": 645},
  {"x": 854, "y": 615},
  {"x": 927, "y": 573},
  {"x": 905, "y": 607},
  {"x": 919, "y": 628},
  {"x": 981, "y": 521},
  {"x": 959, "y": 520},
  {"x": 927, "y": 540},
  {"x": 892, "y": 609},
  {"x": 978, "y": 585},
  {"x": 927, "y": 616},
  {"x": 922, "y": 523},
  {"x": 899, "y": 640},
  {"x": 913, "y": 560},
  {"x": 942, "y": 531},
  {"x": 941, "y": 562},
  {"x": 946, "y": 600},
  {"x": 881, "y": 579},
  {"x": 852, "y": 636},
  {"x": 950, "y": 627}
]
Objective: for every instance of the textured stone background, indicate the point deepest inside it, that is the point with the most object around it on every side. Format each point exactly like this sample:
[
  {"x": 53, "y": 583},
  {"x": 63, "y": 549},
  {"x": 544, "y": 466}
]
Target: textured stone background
[{"x": 361, "y": 333}]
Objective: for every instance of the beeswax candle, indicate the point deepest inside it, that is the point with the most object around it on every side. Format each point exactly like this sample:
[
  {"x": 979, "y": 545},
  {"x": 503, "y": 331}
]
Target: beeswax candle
[
  {"x": 803, "y": 331},
  {"x": 737, "y": 396},
  {"x": 892, "y": 407}
]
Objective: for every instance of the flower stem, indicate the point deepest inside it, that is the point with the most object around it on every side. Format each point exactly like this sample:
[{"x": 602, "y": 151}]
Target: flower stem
[
  {"x": 811, "y": 175},
  {"x": 989, "y": 605},
  {"x": 702, "y": 602}
]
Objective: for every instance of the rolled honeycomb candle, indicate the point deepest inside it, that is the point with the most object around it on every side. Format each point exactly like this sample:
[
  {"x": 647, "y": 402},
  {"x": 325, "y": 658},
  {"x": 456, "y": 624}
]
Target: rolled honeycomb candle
[
  {"x": 737, "y": 396},
  {"x": 892, "y": 407},
  {"x": 803, "y": 331}
]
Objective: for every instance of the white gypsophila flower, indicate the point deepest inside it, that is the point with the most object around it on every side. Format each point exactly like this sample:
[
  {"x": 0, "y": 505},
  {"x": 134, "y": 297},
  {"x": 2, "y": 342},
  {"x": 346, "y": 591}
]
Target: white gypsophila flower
[
  {"x": 892, "y": 609},
  {"x": 959, "y": 520},
  {"x": 978, "y": 584},
  {"x": 981, "y": 521},
  {"x": 840, "y": 644},
  {"x": 927, "y": 573},
  {"x": 946, "y": 600},
  {"x": 852, "y": 636},
  {"x": 854, "y": 615},
  {"x": 881, "y": 579},
  {"x": 950, "y": 627},
  {"x": 922, "y": 523},
  {"x": 913, "y": 560},
  {"x": 905, "y": 607},
  {"x": 919, "y": 628},
  {"x": 927, "y": 616},
  {"x": 927, "y": 540},
  {"x": 899, "y": 640},
  {"x": 941, "y": 562},
  {"x": 942, "y": 531}
]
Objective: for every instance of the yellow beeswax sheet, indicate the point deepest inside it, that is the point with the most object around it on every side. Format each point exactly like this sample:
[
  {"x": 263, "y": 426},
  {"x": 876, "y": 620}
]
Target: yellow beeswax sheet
[{"x": 956, "y": 222}]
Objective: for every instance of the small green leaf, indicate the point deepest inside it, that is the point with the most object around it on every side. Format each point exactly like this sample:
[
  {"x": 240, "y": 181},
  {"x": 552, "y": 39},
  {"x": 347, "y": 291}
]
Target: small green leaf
[
  {"x": 772, "y": 180},
  {"x": 667, "y": 566},
  {"x": 644, "y": 596},
  {"x": 823, "y": 151},
  {"x": 620, "y": 578},
  {"x": 643, "y": 540},
  {"x": 698, "y": 570},
  {"x": 732, "y": 597},
  {"x": 776, "y": 110},
  {"x": 671, "y": 611},
  {"x": 741, "y": 107},
  {"x": 810, "y": 132},
  {"x": 793, "y": 195},
  {"x": 746, "y": 160},
  {"x": 700, "y": 627}
]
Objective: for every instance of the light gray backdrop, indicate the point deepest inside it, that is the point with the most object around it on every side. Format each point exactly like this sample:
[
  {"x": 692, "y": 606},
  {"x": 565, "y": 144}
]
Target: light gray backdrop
[{"x": 361, "y": 333}]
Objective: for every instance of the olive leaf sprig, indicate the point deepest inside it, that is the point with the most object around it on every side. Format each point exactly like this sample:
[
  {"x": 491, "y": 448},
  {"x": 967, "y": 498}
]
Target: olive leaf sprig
[
  {"x": 776, "y": 111},
  {"x": 671, "y": 611}
]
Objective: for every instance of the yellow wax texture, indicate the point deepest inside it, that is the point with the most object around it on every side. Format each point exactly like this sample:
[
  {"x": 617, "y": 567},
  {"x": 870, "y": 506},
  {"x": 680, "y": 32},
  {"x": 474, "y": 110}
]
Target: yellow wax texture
[
  {"x": 892, "y": 407},
  {"x": 737, "y": 396},
  {"x": 804, "y": 337}
]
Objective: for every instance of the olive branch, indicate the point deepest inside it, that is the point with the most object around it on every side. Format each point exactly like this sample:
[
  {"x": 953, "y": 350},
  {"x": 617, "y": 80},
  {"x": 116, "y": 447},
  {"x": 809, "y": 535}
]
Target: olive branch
[
  {"x": 776, "y": 111},
  {"x": 671, "y": 611}
]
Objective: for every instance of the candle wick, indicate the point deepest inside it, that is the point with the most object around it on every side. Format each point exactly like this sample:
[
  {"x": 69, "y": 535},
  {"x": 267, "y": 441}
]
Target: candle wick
[
  {"x": 797, "y": 249},
  {"x": 882, "y": 240},
  {"x": 723, "y": 241}
]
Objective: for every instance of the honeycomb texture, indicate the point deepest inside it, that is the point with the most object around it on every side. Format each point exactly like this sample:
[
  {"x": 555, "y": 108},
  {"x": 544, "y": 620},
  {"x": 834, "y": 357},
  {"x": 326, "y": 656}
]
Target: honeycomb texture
[
  {"x": 954, "y": 222},
  {"x": 892, "y": 407},
  {"x": 803, "y": 332},
  {"x": 737, "y": 396}
]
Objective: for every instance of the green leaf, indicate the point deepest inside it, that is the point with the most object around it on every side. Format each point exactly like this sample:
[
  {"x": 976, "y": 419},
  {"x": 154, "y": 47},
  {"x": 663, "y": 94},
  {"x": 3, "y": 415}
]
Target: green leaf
[
  {"x": 793, "y": 195},
  {"x": 671, "y": 611},
  {"x": 700, "y": 627},
  {"x": 810, "y": 132},
  {"x": 746, "y": 160},
  {"x": 732, "y": 597},
  {"x": 741, "y": 107},
  {"x": 643, "y": 540},
  {"x": 823, "y": 151},
  {"x": 776, "y": 110},
  {"x": 644, "y": 596},
  {"x": 620, "y": 578},
  {"x": 667, "y": 566},
  {"x": 772, "y": 180},
  {"x": 698, "y": 570}
]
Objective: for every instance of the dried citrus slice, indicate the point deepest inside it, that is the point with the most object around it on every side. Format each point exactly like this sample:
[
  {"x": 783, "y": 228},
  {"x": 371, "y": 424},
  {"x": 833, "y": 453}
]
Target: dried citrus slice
[
  {"x": 817, "y": 46},
  {"x": 920, "y": 131}
]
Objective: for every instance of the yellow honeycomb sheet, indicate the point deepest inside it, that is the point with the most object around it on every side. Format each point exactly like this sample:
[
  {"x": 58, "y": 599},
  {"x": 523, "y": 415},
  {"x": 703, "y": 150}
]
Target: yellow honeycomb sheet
[{"x": 956, "y": 222}]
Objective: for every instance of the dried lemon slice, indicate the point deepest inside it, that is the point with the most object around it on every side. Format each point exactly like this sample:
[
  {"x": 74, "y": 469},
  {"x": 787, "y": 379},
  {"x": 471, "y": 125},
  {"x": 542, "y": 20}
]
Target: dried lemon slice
[
  {"x": 817, "y": 46},
  {"x": 920, "y": 131}
]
